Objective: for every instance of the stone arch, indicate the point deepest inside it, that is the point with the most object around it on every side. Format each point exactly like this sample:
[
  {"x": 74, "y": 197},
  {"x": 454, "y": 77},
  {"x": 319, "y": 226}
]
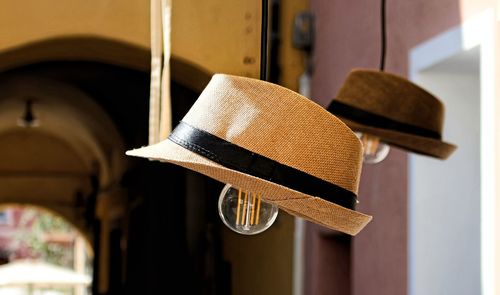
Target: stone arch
[{"x": 99, "y": 49}]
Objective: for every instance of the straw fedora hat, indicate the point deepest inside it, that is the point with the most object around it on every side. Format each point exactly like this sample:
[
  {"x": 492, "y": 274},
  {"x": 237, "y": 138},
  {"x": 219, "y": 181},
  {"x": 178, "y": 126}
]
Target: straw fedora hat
[
  {"x": 394, "y": 109},
  {"x": 265, "y": 138}
]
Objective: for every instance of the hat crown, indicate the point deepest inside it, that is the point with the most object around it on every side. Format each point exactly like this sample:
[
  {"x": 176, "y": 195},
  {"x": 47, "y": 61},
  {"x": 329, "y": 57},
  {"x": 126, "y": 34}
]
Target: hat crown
[
  {"x": 393, "y": 97},
  {"x": 279, "y": 124}
]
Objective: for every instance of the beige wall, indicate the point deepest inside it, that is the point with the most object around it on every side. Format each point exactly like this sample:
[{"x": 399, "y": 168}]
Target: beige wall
[
  {"x": 201, "y": 30},
  {"x": 261, "y": 264}
]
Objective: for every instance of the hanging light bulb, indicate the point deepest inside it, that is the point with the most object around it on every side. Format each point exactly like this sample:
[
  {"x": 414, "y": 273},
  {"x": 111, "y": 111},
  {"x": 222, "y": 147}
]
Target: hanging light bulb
[
  {"x": 28, "y": 119},
  {"x": 244, "y": 212},
  {"x": 374, "y": 150}
]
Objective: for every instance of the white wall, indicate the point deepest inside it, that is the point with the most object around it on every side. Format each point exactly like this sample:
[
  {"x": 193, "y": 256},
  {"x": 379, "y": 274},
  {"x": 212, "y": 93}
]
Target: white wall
[{"x": 445, "y": 196}]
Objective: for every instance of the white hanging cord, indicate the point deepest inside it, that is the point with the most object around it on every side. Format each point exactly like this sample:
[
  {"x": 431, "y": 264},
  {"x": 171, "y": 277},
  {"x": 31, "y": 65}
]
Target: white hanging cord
[
  {"x": 165, "y": 105},
  {"x": 156, "y": 60}
]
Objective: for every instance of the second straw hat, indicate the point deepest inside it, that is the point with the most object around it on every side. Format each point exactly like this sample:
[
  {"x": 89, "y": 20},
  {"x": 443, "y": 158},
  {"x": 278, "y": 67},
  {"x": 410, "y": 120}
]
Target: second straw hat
[
  {"x": 264, "y": 138},
  {"x": 394, "y": 109}
]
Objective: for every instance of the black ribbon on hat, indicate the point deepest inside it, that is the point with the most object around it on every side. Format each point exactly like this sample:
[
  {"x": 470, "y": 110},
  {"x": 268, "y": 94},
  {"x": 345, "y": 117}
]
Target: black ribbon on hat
[
  {"x": 370, "y": 119},
  {"x": 240, "y": 159}
]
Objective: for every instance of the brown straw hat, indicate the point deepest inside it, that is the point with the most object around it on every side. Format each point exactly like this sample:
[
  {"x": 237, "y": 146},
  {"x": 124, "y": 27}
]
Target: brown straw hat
[
  {"x": 394, "y": 109},
  {"x": 265, "y": 138}
]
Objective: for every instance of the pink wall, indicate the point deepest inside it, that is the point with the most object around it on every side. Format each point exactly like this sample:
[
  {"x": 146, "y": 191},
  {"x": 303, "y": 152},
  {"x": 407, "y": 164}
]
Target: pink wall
[{"x": 348, "y": 36}]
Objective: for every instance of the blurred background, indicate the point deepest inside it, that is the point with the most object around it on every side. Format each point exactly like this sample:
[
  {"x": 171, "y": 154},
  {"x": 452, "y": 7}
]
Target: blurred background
[{"x": 74, "y": 96}]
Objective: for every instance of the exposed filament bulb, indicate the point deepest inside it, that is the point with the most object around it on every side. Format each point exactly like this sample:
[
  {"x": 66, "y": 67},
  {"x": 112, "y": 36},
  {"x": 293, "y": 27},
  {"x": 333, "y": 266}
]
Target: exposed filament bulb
[
  {"x": 374, "y": 150},
  {"x": 244, "y": 212}
]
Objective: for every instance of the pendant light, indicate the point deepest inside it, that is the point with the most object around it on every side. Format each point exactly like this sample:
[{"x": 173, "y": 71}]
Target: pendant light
[
  {"x": 28, "y": 119},
  {"x": 242, "y": 211},
  {"x": 375, "y": 150},
  {"x": 243, "y": 132},
  {"x": 383, "y": 108}
]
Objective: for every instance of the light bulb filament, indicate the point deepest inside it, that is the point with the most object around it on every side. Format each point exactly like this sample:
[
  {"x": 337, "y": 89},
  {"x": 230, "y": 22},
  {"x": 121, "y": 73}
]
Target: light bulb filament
[
  {"x": 245, "y": 202},
  {"x": 238, "y": 211},
  {"x": 370, "y": 143},
  {"x": 253, "y": 209},
  {"x": 258, "y": 210},
  {"x": 249, "y": 210},
  {"x": 374, "y": 150}
]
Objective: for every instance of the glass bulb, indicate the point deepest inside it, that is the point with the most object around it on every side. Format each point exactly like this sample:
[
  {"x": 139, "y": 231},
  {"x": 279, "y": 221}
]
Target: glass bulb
[
  {"x": 244, "y": 212},
  {"x": 374, "y": 150}
]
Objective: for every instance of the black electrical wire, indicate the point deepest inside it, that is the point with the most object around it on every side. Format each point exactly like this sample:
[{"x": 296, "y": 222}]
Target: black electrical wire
[
  {"x": 383, "y": 35},
  {"x": 263, "y": 41}
]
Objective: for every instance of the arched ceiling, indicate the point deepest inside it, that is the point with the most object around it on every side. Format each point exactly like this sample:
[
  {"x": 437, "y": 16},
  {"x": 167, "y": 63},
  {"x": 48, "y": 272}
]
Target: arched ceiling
[
  {"x": 107, "y": 51},
  {"x": 51, "y": 164},
  {"x": 40, "y": 151},
  {"x": 75, "y": 135},
  {"x": 38, "y": 167}
]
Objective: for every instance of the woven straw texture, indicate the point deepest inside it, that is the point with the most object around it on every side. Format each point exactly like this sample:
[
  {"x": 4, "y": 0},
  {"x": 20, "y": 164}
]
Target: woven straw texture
[
  {"x": 282, "y": 125},
  {"x": 396, "y": 98}
]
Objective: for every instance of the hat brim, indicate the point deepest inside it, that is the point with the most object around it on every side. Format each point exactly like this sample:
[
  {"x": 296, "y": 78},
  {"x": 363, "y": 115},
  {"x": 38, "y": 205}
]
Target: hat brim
[
  {"x": 294, "y": 202},
  {"x": 414, "y": 143}
]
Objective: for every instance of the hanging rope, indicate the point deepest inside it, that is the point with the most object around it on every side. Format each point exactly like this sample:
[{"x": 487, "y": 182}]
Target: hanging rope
[
  {"x": 383, "y": 35},
  {"x": 165, "y": 104},
  {"x": 155, "y": 84},
  {"x": 263, "y": 41},
  {"x": 160, "y": 113}
]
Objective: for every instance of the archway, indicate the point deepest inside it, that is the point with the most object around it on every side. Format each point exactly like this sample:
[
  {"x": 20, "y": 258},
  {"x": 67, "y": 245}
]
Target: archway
[
  {"x": 90, "y": 110},
  {"x": 44, "y": 250},
  {"x": 71, "y": 163},
  {"x": 102, "y": 50}
]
